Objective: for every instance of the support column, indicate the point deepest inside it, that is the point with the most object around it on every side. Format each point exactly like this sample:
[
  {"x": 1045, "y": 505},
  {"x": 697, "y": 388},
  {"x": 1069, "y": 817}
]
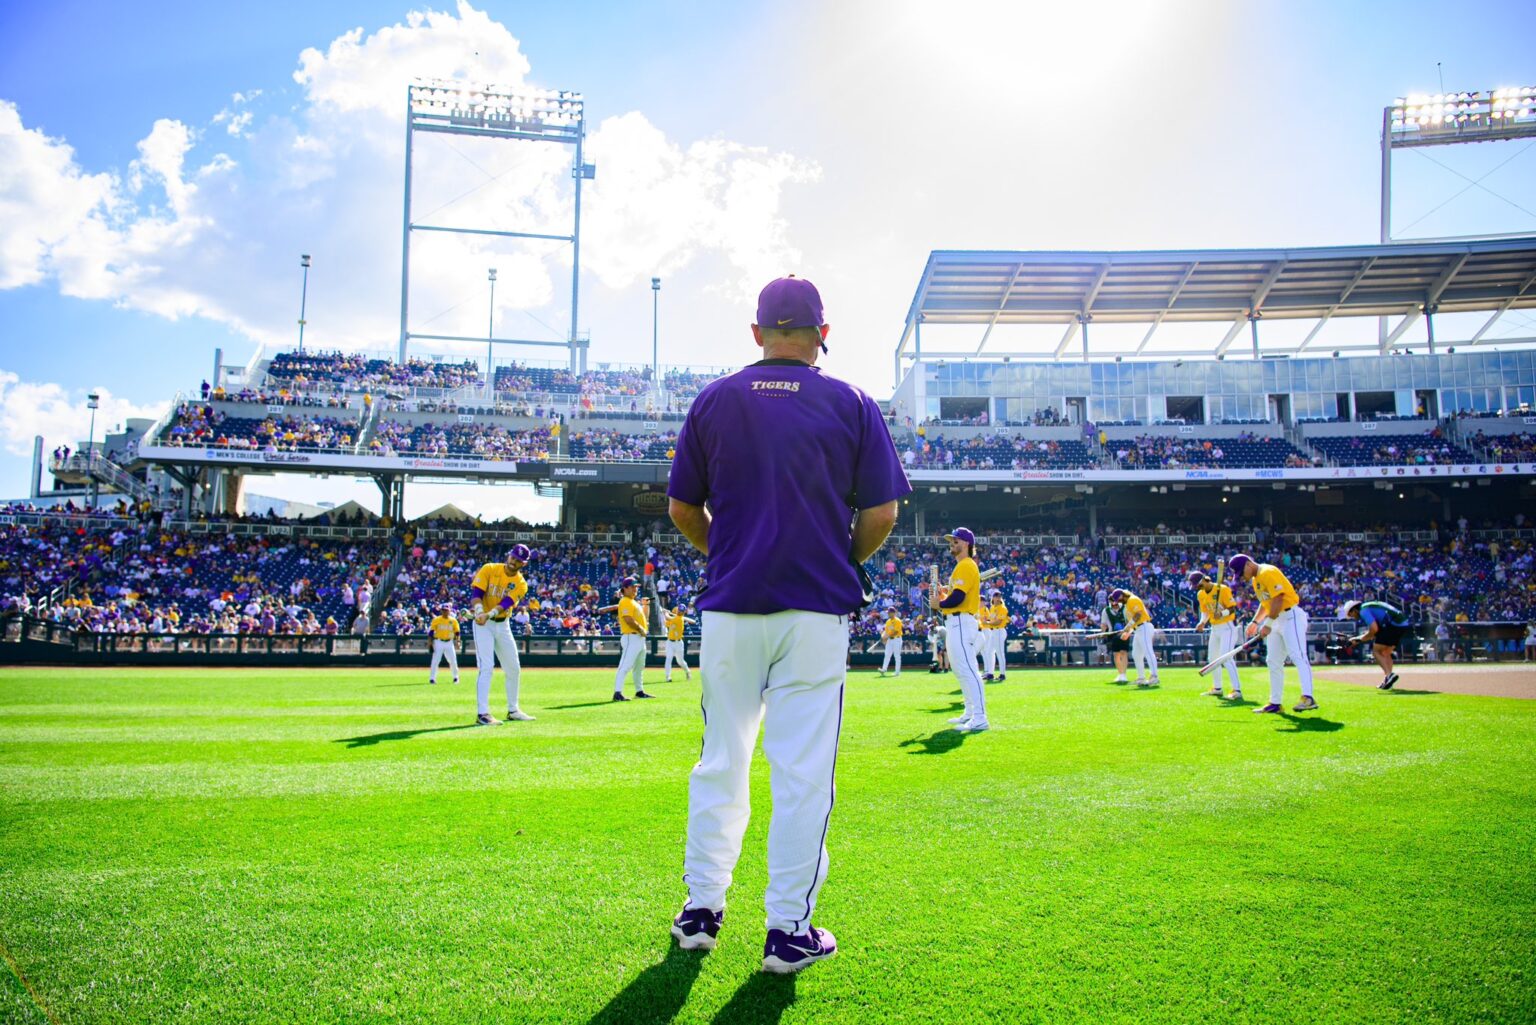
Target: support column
[
  {"x": 1253, "y": 330},
  {"x": 1093, "y": 519},
  {"x": 1429, "y": 325},
  {"x": 1082, "y": 326},
  {"x": 920, "y": 522}
]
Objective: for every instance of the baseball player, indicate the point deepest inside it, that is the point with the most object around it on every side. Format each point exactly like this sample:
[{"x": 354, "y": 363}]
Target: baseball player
[
  {"x": 891, "y": 632},
  {"x": 960, "y": 602},
  {"x": 1113, "y": 619},
  {"x": 1138, "y": 630},
  {"x": 1282, "y": 622},
  {"x": 675, "y": 622},
  {"x": 802, "y": 484},
  {"x": 445, "y": 641},
  {"x": 495, "y": 591},
  {"x": 1384, "y": 625},
  {"x": 1218, "y": 610},
  {"x": 997, "y": 636},
  {"x": 632, "y": 631}
]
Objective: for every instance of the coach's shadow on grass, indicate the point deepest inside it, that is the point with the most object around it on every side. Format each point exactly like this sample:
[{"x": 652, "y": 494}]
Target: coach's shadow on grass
[
  {"x": 1308, "y": 724},
  {"x": 373, "y": 738},
  {"x": 656, "y": 994}
]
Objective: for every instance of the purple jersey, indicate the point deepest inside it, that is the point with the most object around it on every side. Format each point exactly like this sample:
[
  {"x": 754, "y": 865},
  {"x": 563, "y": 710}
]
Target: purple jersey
[{"x": 783, "y": 454}]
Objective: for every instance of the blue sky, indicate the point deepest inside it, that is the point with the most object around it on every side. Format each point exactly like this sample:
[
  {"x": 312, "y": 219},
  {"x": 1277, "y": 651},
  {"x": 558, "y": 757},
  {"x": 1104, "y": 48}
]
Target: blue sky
[{"x": 164, "y": 166}]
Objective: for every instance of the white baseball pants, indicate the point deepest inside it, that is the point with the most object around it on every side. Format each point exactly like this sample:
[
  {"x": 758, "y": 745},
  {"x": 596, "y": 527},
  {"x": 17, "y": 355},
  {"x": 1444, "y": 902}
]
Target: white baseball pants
[
  {"x": 988, "y": 652},
  {"x": 892, "y": 650},
  {"x": 1222, "y": 640},
  {"x": 676, "y": 654},
  {"x": 1287, "y": 640},
  {"x": 631, "y": 662},
  {"x": 1000, "y": 650},
  {"x": 494, "y": 641},
  {"x": 964, "y": 640},
  {"x": 784, "y": 671},
  {"x": 440, "y": 651},
  {"x": 1141, "y": 650}
]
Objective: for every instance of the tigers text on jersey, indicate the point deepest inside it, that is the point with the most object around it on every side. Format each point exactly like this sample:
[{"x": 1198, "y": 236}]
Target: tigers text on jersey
[
  {"x": 1217, "y": 605},
  {"x": 444, "y": 628},
  {"x": 496, "y": 582},
  {"x": 1269, "y": 582},
  {"x": 629, "y": 614},
  {"x": 966, "y": 577}
]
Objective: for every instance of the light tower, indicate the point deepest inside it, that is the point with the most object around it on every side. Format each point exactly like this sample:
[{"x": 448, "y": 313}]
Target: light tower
[{"x": 513, "y": 115}]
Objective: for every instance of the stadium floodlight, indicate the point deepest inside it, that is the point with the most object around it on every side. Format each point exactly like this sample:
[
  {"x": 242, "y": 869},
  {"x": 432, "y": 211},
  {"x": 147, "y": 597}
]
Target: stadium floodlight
[
  {"x": 303, "y": 297},
  {"x": 523, "y": 114},
  {"x": 1445, "y": 119}
]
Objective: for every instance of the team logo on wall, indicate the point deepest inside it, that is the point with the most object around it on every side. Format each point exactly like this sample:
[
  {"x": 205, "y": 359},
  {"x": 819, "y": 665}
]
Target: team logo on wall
[{"x": 651, "y": 503}]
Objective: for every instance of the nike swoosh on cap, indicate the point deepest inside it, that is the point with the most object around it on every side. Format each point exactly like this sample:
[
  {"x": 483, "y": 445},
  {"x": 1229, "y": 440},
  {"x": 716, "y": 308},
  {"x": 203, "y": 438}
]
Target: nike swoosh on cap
[{"x": 786, "y": 320}]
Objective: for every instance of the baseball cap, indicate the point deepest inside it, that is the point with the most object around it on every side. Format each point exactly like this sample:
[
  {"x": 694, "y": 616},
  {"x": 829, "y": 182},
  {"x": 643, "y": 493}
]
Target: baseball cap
[
  {"x": 1347, "y": 608},
  {"x": 1238, "y": 564},
  {"x": 1196, "y": 578},
  {"x": 789, "y": 302},
  {"x": 626, "y": 582},
  {"x": 961, "y": 534},
  {"x": 1117, "y": 597},
  {"x": 520, "y": 553}
]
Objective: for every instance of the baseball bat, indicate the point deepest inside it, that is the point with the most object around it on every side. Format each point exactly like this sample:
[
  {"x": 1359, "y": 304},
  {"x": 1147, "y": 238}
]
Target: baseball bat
[
  {"x": 1210, "y": 666},
  {"x": 989, "y": 574}
]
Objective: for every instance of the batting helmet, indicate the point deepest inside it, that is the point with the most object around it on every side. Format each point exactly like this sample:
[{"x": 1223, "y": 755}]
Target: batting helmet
[
  {"x": 1117, "y": 596},
  {"x": 1238, "y": 565},
  {"x": 520, "y": 553}
]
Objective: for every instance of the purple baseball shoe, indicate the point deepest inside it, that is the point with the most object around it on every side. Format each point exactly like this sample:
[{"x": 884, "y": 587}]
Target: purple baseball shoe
[
  {"x": 697, "y": 928},
  {"x": 1268, "y": 709},
  {"x": 783, "y": 953}
]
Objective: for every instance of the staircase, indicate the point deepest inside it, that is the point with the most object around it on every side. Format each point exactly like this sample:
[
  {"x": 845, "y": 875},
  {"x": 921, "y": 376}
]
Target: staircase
[{"x": 386, "y": 588}]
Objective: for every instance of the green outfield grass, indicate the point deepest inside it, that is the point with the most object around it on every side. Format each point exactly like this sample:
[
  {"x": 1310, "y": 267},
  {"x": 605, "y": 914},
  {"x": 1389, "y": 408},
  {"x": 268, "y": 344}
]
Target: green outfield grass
[{"x": 296, "y": 846}]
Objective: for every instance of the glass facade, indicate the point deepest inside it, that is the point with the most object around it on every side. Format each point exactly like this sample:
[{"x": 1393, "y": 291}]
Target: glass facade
[{"x": 1234, "y": 390}]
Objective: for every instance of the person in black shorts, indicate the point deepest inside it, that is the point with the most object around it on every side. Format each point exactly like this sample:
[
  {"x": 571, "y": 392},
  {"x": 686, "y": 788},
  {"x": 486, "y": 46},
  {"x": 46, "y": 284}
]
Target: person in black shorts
[
  {"x": 1113, "y": 618},
  {"x": 1384, "y": 625}
]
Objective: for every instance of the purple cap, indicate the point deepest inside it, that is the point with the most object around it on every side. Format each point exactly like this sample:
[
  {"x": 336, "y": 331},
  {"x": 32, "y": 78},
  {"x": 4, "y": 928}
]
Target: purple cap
[
  {"x": 789, "y": 302},
  {"x": 961, "y": 534},
  {"x": 1196, "y": 578},
  {"x": 626, "y": 582},
  {"x": 1238, "y": 565},
  {"x": 520, "y": 553},
  {"x": 1117, "y": 596}
]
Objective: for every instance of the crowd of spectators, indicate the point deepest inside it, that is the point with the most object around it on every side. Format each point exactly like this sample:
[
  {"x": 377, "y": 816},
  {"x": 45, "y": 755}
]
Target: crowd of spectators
[
  {"x": 339, "y": 371},
  {"x": 1428, "y": 449},
  {"x": 279, "y": 396},
  {"x": 145, "y": 577},
  {"x": 1162, "y": 452},
  {"x": 205, "y": 427},
  {"x": 1506, "y": 448},
  {"x": 986, "y": 452},
  {"x": 600, "y": 445},
  {"x": 472, "y": 440}
]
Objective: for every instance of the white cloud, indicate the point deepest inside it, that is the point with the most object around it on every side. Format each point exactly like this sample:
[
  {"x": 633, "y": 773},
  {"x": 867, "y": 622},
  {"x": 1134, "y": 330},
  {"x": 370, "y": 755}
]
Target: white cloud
[
  {"x": 30, "y": 408},
  {"x": 44, "y": 198},
  {"x": 325, "y": 178}
]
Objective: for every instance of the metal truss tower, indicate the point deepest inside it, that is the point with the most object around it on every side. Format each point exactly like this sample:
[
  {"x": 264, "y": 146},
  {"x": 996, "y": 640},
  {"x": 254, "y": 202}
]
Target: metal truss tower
[{"x": 489, "y": 112}]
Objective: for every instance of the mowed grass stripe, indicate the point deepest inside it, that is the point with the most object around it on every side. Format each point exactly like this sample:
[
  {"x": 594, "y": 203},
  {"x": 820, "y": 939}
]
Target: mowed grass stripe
[{"x": 254, "y": 846}]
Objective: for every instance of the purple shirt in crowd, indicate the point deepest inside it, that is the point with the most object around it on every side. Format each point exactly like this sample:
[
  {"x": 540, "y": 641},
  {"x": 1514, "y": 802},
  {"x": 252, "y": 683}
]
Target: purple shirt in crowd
[{"x": 783, "y": 454}]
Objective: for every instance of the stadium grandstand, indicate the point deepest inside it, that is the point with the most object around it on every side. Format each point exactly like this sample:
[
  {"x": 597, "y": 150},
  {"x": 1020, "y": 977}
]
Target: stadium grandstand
[{"x": 1397, "y": 467}]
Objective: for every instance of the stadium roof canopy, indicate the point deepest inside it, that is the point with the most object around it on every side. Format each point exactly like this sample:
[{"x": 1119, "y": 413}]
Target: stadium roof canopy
[{"x": 1075, "y": 289}]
